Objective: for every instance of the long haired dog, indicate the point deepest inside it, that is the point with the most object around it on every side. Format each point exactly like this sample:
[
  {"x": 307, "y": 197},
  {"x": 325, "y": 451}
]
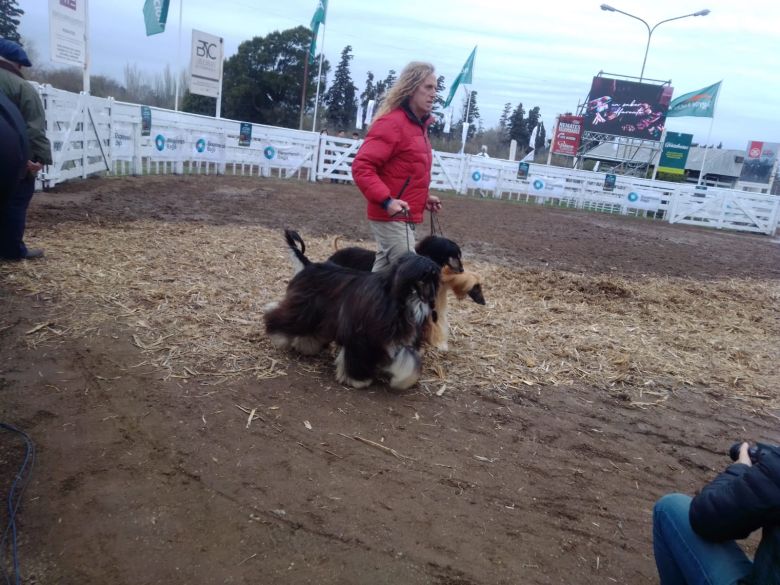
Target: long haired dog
[
  {"x": 443, "y": 251},
  {"x": 462, "y": 285},
  {"x": 376, "y": 318}
]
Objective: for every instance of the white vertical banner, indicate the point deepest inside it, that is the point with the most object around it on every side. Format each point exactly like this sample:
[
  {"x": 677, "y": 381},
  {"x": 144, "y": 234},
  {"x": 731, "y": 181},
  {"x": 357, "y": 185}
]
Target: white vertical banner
[
  {"x": 206, "y": 64},
  {"x": 447, "y": 120},
  {"x": 370, "y": 111},
  {"x": 464, "y": 133},
  {"x": 359, "y": 120},
  {"x": 67, "y": 31}
]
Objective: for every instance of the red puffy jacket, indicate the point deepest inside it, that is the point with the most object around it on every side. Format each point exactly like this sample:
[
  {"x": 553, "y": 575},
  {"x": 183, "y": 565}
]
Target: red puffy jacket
[{"x": 396, "y": 148}]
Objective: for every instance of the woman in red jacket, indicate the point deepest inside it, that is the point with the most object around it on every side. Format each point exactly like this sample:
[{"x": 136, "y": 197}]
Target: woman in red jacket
[{"x": 393, "y": 166}]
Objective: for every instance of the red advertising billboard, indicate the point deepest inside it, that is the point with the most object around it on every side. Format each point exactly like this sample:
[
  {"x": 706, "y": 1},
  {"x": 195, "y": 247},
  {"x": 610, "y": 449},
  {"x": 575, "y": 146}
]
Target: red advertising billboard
[
  {"x": 567, "y": 135},
  {"x": 627, "y": 108}
]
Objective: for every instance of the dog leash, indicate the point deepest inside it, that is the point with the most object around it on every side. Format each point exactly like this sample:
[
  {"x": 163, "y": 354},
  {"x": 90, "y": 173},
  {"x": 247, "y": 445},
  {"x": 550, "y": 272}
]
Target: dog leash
[{"x": 438, "y": 224}]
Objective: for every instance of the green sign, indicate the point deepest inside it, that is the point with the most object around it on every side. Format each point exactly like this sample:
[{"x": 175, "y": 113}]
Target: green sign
[
  {"x": 675, "y": 153},
  {"x": 146, "y": 120},
  {"x": 155, "y": 16}
]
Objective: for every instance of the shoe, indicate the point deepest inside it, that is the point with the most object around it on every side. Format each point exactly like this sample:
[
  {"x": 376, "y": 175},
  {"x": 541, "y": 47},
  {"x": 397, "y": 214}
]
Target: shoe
[{"x": 33, "y": 254}]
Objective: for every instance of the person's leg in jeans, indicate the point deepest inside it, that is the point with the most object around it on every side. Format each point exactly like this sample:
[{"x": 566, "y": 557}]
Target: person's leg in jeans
[
  {"x": 685, "y": 558},
  {"x": 13, "y": 218},
  {"x": 393, "y": 240}
]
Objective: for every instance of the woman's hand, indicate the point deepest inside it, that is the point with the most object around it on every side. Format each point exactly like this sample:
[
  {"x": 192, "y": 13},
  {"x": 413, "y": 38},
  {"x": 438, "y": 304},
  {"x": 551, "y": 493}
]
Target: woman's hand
[
  {"x": 433, "y": 204},
  {"x": 397, "y": 206}
]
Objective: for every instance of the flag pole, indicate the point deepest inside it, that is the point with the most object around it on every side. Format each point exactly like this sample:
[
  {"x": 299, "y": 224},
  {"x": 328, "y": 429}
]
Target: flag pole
[
  {"x": 319, "y": 77},
  {"x": 178, "y": 63},
  {"x": 466, "y": 119},
  {"x": 86, "y": 48},
  {"x": 305, "y": 84},
  {"x": 709, "y": 136}
]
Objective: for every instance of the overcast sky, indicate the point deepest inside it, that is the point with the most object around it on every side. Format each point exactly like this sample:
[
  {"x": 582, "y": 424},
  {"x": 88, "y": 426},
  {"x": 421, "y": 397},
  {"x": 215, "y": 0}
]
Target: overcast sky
[{"x": 541, "y": 53}]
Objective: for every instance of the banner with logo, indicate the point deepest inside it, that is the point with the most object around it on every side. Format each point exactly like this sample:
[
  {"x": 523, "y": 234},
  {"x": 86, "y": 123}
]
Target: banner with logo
[
  {"x": 169, "y": 145},
  {"x": 544, "y": 187},
  {"x": 674, "y": 154},
  {"x": 67, "y": 30},
  {"x": 146, "y": 121},
  {"x": 121, "y": 141},
  {"x": 567, "y": 135},
  {"x": 643, "y": 200},
  {"x": 759, "y": 162},
  {"x": 287, "y": 156},
  {"x": 155, "y": 16},
  {"x": 482, "y": 178},
  {"x": 208, "y": 147},
  {"x": 699, "y": 104},
  {"x": 206, "y": 64}
]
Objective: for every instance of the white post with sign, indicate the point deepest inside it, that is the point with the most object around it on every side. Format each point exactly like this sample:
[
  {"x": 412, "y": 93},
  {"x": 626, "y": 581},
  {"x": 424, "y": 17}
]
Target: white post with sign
[
  {"x": 68, "y": 34},
  {"x": 206, "y": 66}
]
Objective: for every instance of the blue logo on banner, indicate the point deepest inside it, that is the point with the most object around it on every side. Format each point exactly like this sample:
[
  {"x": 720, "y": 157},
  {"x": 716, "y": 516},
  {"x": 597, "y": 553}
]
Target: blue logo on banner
[
  {"x": 538, "y": 184},
  {"x": 269, "y": 152},
  {"x": 200, "y": 145},
  {"x": 159, "y": 142},
  {"x": 476, "y": 176},
  {"x": 632, "y": 197}
]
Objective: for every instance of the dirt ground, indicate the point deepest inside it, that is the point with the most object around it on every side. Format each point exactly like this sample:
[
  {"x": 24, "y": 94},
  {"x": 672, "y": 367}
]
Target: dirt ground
[{"x": 145, "y": 478}]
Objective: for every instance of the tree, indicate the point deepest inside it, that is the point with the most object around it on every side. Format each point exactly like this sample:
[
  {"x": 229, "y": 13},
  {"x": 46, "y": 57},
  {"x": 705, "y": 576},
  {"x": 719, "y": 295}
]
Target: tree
[
  {"x": 340, "y": 97},
  {"x": 369, "y": 93},
  {"x": 503, "y": 123},
  {"x": 9, "y": 20},
  {"x": 517, "y": 126},
  {"x": 470, "y": 114},
  {"x": 437, "y": 128},
  {"x": 382, "y": 87},
  {"x": 263, "y": 80}
]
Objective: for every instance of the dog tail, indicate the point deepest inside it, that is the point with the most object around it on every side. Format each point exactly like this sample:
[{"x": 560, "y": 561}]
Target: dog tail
[{"x": 297, "y": 254}]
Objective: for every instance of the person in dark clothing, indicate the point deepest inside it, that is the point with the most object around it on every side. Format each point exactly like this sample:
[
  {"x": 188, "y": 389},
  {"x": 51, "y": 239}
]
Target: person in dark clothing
[
  {"x": 18, "y": 193},
  {"x": 14, "y": 146},
  {"x": 694, "y": 538}
]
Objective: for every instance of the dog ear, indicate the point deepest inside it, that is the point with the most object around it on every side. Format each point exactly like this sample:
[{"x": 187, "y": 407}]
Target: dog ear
[{"x": 414, "y": 272}]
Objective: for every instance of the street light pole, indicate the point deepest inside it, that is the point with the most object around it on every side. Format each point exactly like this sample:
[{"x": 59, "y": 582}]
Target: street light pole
[{"x": 650, "y": 30}]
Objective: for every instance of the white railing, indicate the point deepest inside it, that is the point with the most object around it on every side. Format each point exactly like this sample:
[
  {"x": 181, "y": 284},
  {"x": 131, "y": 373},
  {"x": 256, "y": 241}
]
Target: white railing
[{"x": 97, "y": 135}]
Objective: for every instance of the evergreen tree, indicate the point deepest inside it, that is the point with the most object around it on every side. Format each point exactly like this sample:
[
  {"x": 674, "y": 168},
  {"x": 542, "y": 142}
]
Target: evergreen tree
[
  {"x": 369, "y": 93},
  {"x": 437, "y": 128},
  {"x": 382, "y": 87},
  {"x": 340, "y": 97},
  {"x": 470, "y": 106},
  {"x": 517, "y": 126},
  {"x": 9, "y": 20},
  {"x": 503, "y": 123}
]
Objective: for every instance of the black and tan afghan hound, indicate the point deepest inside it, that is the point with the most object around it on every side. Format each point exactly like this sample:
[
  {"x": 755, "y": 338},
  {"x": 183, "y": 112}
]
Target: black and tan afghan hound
[
  {"x": 463, "y": 284},
  {"x": 443, "y": 251},
  {"x": 376, "y": 318}
]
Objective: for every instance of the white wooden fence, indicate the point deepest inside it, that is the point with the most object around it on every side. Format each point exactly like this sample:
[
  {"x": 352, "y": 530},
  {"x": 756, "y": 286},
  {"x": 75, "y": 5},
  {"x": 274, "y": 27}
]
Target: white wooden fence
[{"x": 97, "y": 135}]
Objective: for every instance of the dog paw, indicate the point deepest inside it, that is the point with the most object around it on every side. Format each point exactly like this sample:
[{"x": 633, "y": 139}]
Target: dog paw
[{"x": 280, "y": 341}]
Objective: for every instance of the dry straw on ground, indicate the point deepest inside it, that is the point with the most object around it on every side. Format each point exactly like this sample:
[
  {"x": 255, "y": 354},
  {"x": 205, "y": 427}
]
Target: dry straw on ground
[{"x": 191, "y": 298}]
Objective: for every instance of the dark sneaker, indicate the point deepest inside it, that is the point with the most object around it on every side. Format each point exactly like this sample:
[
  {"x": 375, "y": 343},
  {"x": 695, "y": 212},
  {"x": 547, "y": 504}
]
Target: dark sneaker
[{"x": 33, "y": 253}]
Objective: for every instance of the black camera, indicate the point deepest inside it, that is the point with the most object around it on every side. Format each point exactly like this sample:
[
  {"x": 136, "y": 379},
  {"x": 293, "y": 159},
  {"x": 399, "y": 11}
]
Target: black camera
[{"x": 755, "y": 453}]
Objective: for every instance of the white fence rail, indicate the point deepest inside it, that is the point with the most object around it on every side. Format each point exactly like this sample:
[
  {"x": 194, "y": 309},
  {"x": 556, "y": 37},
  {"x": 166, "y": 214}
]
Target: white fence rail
[{"x": 96, "y": 135}]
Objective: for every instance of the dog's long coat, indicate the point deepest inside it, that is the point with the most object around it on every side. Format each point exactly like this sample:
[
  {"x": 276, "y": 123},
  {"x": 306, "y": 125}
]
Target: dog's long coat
[{"x": 377, "y": 319}]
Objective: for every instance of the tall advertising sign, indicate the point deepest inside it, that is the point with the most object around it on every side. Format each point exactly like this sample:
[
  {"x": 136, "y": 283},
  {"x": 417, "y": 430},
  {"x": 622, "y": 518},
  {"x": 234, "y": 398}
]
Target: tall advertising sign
[
  {"x": 675, "y": 153},
  {"x": 567, "y": 135},
  {"x": 206, "y": 64},
  {"x": 67, "y": 32},
  {"x": 759, "y": 162},
  {"x": 627, "y": 108}
]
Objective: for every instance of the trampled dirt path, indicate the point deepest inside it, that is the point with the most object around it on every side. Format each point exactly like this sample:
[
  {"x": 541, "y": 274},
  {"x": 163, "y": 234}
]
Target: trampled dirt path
[{"x": 140, "y": 479}]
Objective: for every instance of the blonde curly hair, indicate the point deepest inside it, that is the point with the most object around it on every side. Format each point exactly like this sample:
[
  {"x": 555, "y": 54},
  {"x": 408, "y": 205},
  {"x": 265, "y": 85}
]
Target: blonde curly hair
[{"x": 412, "y": 76}]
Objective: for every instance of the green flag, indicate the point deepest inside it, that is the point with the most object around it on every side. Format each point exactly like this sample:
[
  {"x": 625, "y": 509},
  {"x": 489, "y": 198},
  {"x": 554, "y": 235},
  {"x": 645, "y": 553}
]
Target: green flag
[
  {"x": 463, "y": 77},
  {"x": 316, "y": 20},
  {"x": 700, "y": 104},
  {"x": 155, "y": 16}
]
